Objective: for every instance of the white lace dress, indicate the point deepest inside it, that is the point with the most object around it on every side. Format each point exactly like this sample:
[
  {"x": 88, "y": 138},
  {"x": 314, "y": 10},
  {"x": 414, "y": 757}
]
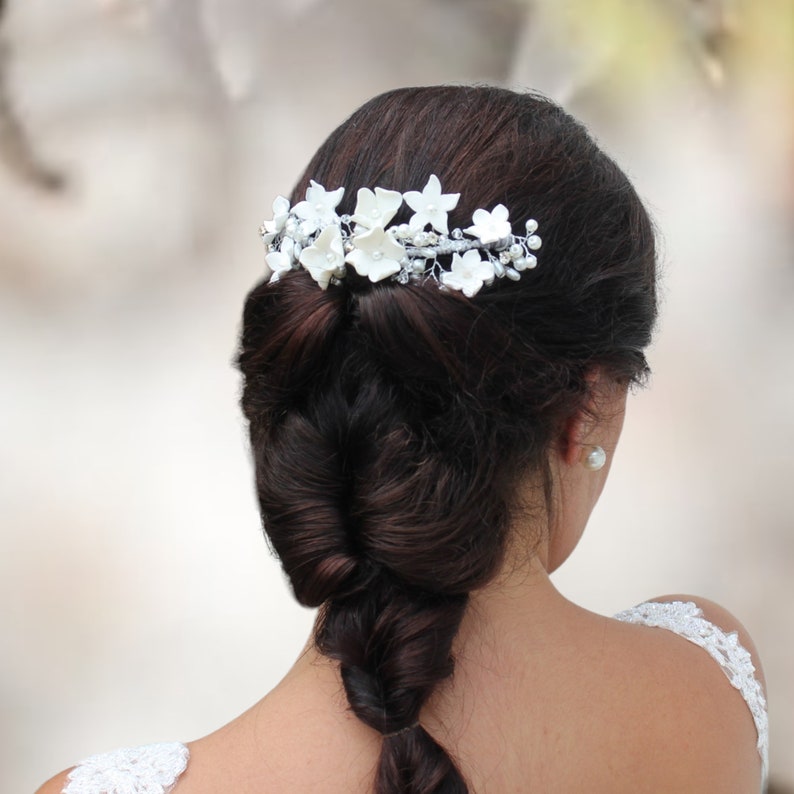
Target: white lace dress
[{"x": 156, "y": 768}]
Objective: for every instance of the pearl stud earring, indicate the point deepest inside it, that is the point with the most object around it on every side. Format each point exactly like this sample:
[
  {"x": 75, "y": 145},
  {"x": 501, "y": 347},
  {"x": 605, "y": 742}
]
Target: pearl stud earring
[{"x": 594, "y": 458}]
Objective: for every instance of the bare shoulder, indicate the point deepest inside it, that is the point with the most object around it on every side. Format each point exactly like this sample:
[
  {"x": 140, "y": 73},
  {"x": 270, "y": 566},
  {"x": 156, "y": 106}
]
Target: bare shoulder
[
  {"x": 55, "y": 785},
  {"x": 725, "y": 620},
  {"x": 700, "y": 731}
]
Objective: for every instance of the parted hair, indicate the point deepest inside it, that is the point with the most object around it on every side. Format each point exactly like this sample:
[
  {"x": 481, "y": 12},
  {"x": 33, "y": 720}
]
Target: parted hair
[{"x": 391, "y": 425}]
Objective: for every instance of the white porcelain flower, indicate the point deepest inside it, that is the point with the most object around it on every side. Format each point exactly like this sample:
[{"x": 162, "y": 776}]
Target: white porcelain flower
[
  {"x": 281, "y": 261},
  {"x": 431, "y": 206},
  {"x": 492, "y": 226},
  {"x": 469, "y": 272},
  {"x": 376, "y": 254},
  {"x": 326, "y": 256},
  {"x": 319, "y": 208},
  {"x": 376, "y": 209},
  {"x": 280, "y": 215}
]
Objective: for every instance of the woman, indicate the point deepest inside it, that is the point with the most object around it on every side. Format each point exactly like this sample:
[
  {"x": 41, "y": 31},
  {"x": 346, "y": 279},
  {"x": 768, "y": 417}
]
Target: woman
[{"x": 457, "y": 299}]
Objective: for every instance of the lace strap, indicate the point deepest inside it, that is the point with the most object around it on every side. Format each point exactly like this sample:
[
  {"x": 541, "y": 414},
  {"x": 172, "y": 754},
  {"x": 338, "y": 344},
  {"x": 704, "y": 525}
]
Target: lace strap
[
  {"x": 151, "y": 769},
  {"x": 686, "y": 619}
]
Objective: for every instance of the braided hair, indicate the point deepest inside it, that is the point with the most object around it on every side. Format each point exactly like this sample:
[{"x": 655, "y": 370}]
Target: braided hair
[{"x": 392, "y": 424}]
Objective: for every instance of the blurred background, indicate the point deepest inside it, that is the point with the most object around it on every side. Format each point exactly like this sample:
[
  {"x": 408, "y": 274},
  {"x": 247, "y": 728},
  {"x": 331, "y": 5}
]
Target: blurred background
[{"x": 142, "y": 143}]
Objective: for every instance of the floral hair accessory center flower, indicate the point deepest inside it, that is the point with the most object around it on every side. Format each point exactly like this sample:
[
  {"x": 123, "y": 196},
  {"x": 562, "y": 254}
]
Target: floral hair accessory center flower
[{"x": 311, "y": 235}]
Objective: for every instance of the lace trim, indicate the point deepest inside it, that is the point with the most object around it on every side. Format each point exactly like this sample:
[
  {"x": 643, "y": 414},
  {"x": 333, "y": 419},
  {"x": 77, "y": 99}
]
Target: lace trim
[
  {"x": 686, "y": 619},
  {"x": 151, "y": 769}
]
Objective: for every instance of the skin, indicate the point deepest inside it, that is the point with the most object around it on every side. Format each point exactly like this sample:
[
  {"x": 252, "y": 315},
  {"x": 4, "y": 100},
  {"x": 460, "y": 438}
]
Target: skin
[{"x": 545, "y": 695}]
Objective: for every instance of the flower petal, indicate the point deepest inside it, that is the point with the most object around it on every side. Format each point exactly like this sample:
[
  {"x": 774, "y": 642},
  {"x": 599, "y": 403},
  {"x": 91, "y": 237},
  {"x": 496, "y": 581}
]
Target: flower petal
[
  {"x": 481, "y": 217},
  {"x": 500, "y": 213},
  {"x": 432, "y": 190},
  {"x": 415, "y": 200},
  {"x": 373, "y": 269}
]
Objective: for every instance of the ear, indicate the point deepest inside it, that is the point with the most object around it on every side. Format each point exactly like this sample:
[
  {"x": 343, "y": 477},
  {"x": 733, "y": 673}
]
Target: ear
[
  {"x": 605, "y": 399},
  {"x": 573, "y": 436}
]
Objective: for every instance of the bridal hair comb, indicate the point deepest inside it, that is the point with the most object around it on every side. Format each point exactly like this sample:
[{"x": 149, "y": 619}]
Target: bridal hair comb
[{"x": 312, "y": 236}]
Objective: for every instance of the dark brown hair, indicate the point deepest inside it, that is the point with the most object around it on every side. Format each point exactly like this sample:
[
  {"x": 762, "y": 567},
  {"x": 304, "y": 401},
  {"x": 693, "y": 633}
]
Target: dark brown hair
[{"x": 390, "y": 424}]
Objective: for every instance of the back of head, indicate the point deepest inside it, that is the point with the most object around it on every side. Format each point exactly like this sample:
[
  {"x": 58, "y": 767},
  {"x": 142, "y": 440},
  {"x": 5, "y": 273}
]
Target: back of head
[{"x": 392, "y": 423}]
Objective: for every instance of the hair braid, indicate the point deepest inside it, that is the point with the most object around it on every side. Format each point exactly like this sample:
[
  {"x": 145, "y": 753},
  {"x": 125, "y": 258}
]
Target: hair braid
[
  {"x": 393, "y": 647},
  {"x": 392, "y": 638},
  {"x": 382, "y": 475}
]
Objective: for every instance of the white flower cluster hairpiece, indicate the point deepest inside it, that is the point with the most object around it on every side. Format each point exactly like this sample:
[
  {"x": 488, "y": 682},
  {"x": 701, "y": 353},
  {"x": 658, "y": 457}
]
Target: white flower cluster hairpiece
[{"x": 312, "y": 236}]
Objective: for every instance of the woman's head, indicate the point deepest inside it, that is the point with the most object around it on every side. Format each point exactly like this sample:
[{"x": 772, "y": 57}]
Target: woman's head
[{"x": 393, "y": 425}]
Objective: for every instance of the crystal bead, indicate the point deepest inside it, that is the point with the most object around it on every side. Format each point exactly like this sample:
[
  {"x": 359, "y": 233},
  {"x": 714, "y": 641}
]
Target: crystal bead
[
  {"x": 504, "y": 258},
  {"x": 345, "y": 218},
  {"x": 456, "y": 234}
]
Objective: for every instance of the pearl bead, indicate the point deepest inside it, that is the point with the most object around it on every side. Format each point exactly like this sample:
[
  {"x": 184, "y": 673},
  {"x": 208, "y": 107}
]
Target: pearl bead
[
  {"x": 375, "y": 213},
  {"x": 377, "y": 255},
  {"x": 531, "y": 226},
  {"x": 516, "y": 250},
  {"x": 533, "y": 242},
  {"x": 318, "y": 207},
  {"x": 594, "y": 458},
  {"x": 331, "y": 257},
  {"x": 431, "y": 208}
]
